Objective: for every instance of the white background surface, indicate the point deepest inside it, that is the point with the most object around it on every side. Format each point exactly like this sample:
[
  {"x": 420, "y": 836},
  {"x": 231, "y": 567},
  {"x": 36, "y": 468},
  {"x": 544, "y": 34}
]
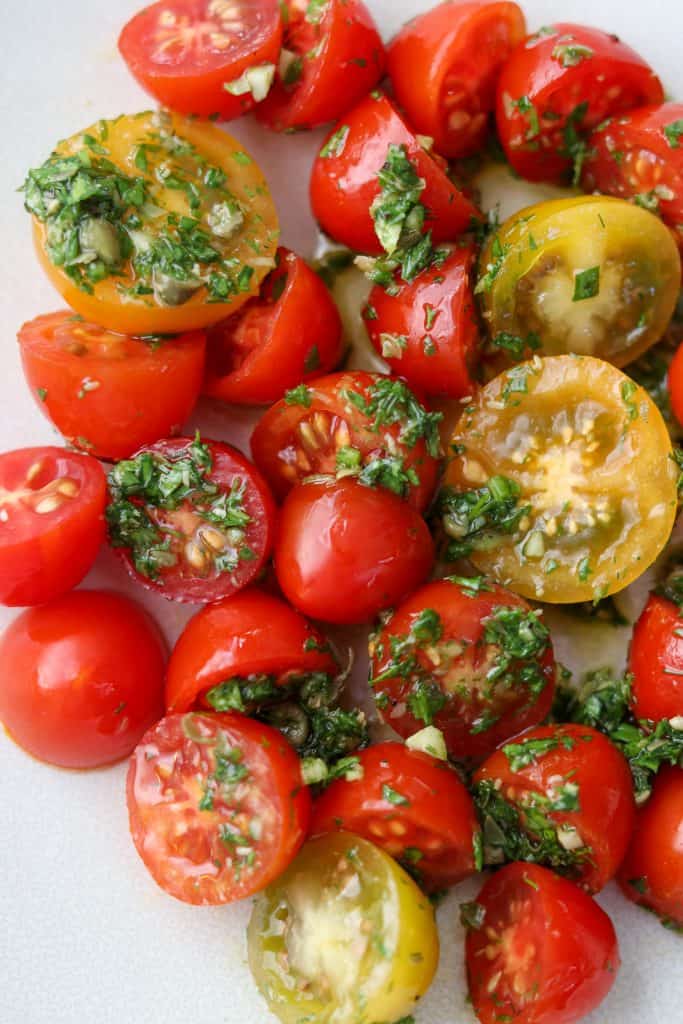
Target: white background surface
[{"x": 85, "y": 936}]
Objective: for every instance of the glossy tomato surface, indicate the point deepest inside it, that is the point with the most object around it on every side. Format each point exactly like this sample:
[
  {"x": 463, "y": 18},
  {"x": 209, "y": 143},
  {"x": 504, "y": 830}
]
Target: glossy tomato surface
[
  {"x": 674, "y": 379},
  {"x": 656, "y": 661},
  {"x": 84, "y": 678}
]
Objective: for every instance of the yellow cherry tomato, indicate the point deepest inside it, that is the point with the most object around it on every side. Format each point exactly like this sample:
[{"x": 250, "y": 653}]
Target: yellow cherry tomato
[{"x": 343, "y": 937}]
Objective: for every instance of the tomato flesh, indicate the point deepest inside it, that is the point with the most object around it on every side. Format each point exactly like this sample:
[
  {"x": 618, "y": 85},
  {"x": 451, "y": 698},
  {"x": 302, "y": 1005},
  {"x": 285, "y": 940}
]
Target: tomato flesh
[{"x": 656, "y": 661}]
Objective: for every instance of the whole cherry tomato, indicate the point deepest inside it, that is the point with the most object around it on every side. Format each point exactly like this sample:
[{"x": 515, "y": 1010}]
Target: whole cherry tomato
[{"x": 656, "y": 661}]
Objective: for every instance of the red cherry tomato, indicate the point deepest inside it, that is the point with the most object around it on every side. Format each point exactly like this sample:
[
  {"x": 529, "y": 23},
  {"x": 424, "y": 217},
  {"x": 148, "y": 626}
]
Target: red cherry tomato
[
  {"x": 539, "y": 950},
  {"x": 87, "y": 380},
  {"x": 193, "y": 520},
  {"x": 444, "y": 66},
  {"x": 51, "y": 522},
  {"x": 289, "y": 333},
  {"x": 83, "y": 678},
  {"x": 344, "y": 179},
  {"x": 410, "y": 804},
  {"x": 345, "y": 551},
  {"x": 185, "y": 53},
  {"x": 652, "y": 873},
  {"x": 350, "y": 423},
  {"x": 332, "y": 56},
  {"x": 656, "y": 661},
  {"x": 474, "y": 660},
  {"x": 428, "y": 330},
  {"x": 675, "y": 381},
  {"x": 557, "y": 87},
  {"x": 217, "y": 806},
  {"x": 249, "y": 634}
]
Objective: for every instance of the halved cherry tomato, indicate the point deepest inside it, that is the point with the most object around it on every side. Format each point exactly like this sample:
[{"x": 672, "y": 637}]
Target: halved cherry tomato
[
  {"x": 470, "y": 658},
  {"x": 656, "y": 661},
  {"x": 343, "y": 932},
  {"x": 410, "y": 804},
  {"x": 652, "y": 874},
  {"x": 332, "y": 56},
  {"x": 289, "y": 333},
  {"x": 152, "y": 223},
  {"x": 346, "y": 551},
  {"x": 83, "y": 678},
  {"x": 204, "y": 57},
  {"x": 107, "y": 393},
  {"x": 248, "y": 635},
  {"x": 51, "y": 522},
  {"x": 444, "y": 66},
  {"x": 539, "y": 949},
  {"x": 428, "y": 330},
  {"x": 217, "y": 806},
  {"x": 675, "y": 382},
  {"x": 344, "y": 180},
  {"x": 350, "y": 424},
  {"x": 558, "y": 463},
  {"x": 556, "y": 87},
  {"x": 193, "y": 520}
]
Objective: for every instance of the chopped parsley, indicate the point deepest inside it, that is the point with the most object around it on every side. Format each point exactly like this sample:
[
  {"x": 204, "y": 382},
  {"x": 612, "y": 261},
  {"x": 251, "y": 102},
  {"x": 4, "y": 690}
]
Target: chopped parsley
[
  {"x": 336, "y": 142},
  {"x": 526, "y": 752},
  {"x": 586, "y": 284},
  {"x": 515, "y": 346},
  {"x": 472, "y": 520},
  {"x": 493, "y": 267},
  {"x": 527, "y": 108},
  {"x": 392, "y": 796},
  {"x": 673, "y": 132},
  {"x": 390, "y": 401},
  {"x": 571, "y": 54},
  {"x": 300, "y": 395},
  {"x": 574, "y": 145}
]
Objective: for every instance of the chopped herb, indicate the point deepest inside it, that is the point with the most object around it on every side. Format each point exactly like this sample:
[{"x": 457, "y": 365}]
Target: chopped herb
[
  {"x": 571, "y": 54},
  {"x": 42, "y": 393},
  {"x": 583, "y": 570},
  {"x": 525, "y": 106},
  {"x": 527, "y": 752},
  {"x": 472, "y": 915},
  {"x": 628, "y": 390},
  {"x": 312, "y": 360},
  {"x": 392, "y": 796},
  {"x": 336, "y": 142},
  {"x": 425, "y": 701},
  {"x": 391, "y": 401},
  {"x": 494, "y": 267},
  {"x": 586, "y": 284},
  {"x": 673, "y": 132},
  {"x": 473, "y": 519},
  {"x": 471, "y": 586},
  {"x": 393, "y": 345},
  {"x": 515, "y": 346},
  {"x": 300, "y": 395}
]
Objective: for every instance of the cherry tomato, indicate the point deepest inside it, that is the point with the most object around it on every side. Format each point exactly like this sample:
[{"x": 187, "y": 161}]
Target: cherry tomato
[
  {"x": 152, "y": 223},
  {"x": 85, "y": 379},
  {"x": 83, "y": 678},
  {"x": 444, "y": 67},
  {"x": 343, "y": 928},
  {"x": 638, "y": 156},
  {"x": 332, "y": 56},
  {"x": 539, "y": 950},
  {"x": 470, "y": 658},
  {"x": 675, "y": 383},
  {"x": 51, "y": 522},
  {"x": 344, "y": 180},
  {"x": 652, "y": 874},
  {"x": 289, "y": 333},
  {"x": 204, "y": 57},
  {"x": 656, "y": 661},
  {"x": 559, "y": 85},
  {"x": 193, "y": 520},
  {"x": 216, "y": 804},
  {"x": 428, "y": 330},
  {"x": 559, "y": 463},
  {"x": 345, "y": 551},
  {"x": 350, "y": 424}
]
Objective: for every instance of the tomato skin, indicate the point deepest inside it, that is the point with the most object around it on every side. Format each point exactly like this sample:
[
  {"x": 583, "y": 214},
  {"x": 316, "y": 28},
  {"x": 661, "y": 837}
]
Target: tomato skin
[
  {"x": 574, "y": 958},
  {"x": 343, "y": 58},
  {"x": 345, "y": 551},
  {"x": 249, "y": 633},
  {"x": 446, "y": 62},
  {"x": 275, "y": 343},
  {"x": 675, "y": 381},
  {"x": 443, "y": 295},
  {"x": 655, "y": 661},
  {"x": 167, "y": 769},
  {"x": 654, "y": 861},
  {"x": 44, "y": 554},
  {"x": 343, "y": 185},
  {"x": 84, "y": 678},
  {"x": 612, "y": 80}
]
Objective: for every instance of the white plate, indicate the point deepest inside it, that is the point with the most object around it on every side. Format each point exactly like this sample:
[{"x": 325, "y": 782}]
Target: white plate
[{"x": 85, "y": 935}]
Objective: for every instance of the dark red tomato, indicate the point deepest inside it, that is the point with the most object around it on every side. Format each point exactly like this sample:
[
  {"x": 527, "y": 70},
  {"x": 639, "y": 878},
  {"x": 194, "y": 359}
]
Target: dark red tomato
[
  {"x": 468, "y": 657},
  {"x": 344, "y": 179},
  {"x": 204, "y": 57},
  {"x": 656, "y": 661},
  {"x": 51, "y": 522},
  {"x": 251, "y": 634},
  {"x": 194, "y": 520},
  {"x": 557, "y": 87},
  {"x": 350, "y": 423},
  {"x": 217, "y": 806},
  {"x": 444, "y": 67},
  {"x": 675, "y": 381},
  {"x": 428, "y": 330},
  {"x": 345, "y": 551},
  {"x": 652, "y": 873},
  {"x": 573, "y": 780},
  {"x": 640, "y": 154},
  {"x": 539, "y": 950},
  {"x": 332, "y": 56},
  {"x": 83, "y": 678},
  {"x": 410, "y": 804},
  {"x": 289, "y": 333},
  {"x": 107, "y": 393}
]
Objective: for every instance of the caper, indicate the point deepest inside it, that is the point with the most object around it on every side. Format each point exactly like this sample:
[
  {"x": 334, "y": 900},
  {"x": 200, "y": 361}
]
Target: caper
[
  {"x": 99, "y": 236},
  {"x": 170, "y": 291},
  {"x": 291, "y": 720}
]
